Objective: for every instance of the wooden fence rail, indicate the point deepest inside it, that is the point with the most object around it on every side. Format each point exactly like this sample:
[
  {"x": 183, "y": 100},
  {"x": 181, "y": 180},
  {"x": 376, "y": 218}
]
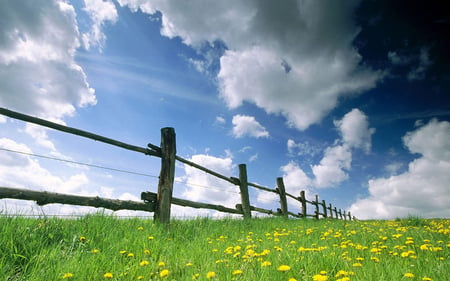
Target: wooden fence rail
[{"x": 160, "y": 203}]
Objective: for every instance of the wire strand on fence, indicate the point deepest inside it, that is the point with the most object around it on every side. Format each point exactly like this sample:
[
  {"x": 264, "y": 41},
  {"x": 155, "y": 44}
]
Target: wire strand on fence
[{"x": 79, "y": 163}]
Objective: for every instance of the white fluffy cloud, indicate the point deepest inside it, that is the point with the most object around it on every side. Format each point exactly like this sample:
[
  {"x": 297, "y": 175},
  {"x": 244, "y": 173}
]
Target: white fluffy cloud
[
  {"x": 248, "y": 126},
  {"x": 423, "y": 189},
  {"x": 293, "y": 58},
  {"x": 334, "y": 166},
  {"x": 38, "y": 41},
  {"x": 100, "y": 13},
  {"x": 355, "y": 131}
]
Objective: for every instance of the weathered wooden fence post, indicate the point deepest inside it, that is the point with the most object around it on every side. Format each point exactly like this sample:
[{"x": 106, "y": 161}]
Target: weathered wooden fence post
[
  {"x": 166, "y": 176},
  {"x": 316, "y": 203},
  {"x": 303, "y": 198},
  {"x": 324, "y": 207},
  {"x": 331, "y": 210},
  {"x": 283, "y": 200},
  {"x": 336, "y": 213},
  {"x": 243, "y": 186},
  {"x": 349, "y": 216}
]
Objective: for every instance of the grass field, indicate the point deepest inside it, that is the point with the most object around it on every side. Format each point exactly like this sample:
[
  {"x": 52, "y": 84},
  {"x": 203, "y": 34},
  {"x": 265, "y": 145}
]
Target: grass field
[{"x": 99, "y": 247}]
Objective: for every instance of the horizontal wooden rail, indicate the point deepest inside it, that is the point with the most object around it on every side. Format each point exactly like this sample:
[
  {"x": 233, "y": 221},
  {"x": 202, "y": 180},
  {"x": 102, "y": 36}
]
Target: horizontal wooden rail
[
  {"x": 263, "y": 188},
  {"x": 45, "y": 197},
  {"x": 59, "y": 127},
  {"x": 149, "y": 196},
  {"x": 234, "y": 181}
]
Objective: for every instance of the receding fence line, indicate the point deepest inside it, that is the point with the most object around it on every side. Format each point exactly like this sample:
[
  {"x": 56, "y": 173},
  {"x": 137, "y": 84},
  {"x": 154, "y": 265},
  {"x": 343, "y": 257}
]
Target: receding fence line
[{"x": 160, "y": 202}]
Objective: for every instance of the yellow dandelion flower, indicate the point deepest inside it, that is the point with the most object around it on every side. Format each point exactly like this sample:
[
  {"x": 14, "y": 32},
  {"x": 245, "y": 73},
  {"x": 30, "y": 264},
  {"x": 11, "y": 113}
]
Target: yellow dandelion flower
[
  {"x": 284, "y": 268},
  {"x": 375, "y": 259},
  {"x": 161, "y": 264},
  {"x": 151, "y": 238},
  {"x": 341, "y": 273},
  {"x": 67, "y": 275},
  {"x": 237, "y": 272},
  {"x": 123, "y": 252},
  {"x": 343, "y": 279},
  {"x": 164, "y": 273},
  {"x": 427, "y": 279},
  {"x": 140, "y": 228},
  {"x": 108, "y": 275},
  {"x": 130, "y": 255},
  {"x": 144, "y": 263},
  {"x": 292, "y": 279},
  {"x": 95, "y": 251},
  {"x": 189, "y": 264},
  {"x": 266, "y": 263},
  {"x": 320, "y": 277},
  {"x": 210, "y": 274},
  {"x": 140, "y": 277},
  {"x": 357, "y": 264},
  {"x": 82, "y": 238},
  {"x": 408, "y": 275},
  {"x": 147, "y": 251}
]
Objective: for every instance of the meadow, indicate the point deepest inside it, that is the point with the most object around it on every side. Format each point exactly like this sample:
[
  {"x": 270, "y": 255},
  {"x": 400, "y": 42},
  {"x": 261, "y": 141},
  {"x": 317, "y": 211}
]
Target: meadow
[{"x": 102, "y": 247}]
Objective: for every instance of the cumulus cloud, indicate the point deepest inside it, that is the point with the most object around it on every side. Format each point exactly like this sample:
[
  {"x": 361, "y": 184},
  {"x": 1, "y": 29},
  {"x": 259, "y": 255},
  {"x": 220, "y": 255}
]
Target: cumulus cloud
[
  {"x": 293, "y": 58},
  {"x": 100, "y": 12},
  {"x": 355, "y": 131},
  {"x": 334, "y": 166},
  {"x": 244, "y": 125},
  {"x": 422, "y": 190},
  {"x": 38, "y": 41},
  {"x": 336, "y": 162}
]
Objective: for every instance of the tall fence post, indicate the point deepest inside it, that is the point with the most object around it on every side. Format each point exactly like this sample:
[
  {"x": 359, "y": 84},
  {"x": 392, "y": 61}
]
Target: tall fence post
[
  {"x": 303, "y": 198},
  {"x": 166, "y": 176},
  {"x": 316, "y": 203},
  {"x": 243, "y": 186},
  {"x": 282, "y": 193},
  {"x": 331, "y": 210},
  {"x": 324, "y": 209}
]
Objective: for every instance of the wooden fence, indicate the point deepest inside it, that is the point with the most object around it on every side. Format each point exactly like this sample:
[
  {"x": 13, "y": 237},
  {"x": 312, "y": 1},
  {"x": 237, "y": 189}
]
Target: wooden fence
[{"x": 160, "y": 203}]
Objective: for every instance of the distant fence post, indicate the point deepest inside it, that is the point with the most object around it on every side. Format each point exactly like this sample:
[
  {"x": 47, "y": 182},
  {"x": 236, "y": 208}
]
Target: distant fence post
[
  {"x": 282, "y": 193},
  {"x": 303, "y": 198},
  {"x": 243, "y": 186},
  {"x": 349, "y": 216},
  {"x": 166, "y": 176}
]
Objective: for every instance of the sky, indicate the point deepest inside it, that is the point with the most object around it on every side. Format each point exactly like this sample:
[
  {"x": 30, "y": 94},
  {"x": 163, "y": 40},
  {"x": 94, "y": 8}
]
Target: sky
[{"x": 349, "y": 100}]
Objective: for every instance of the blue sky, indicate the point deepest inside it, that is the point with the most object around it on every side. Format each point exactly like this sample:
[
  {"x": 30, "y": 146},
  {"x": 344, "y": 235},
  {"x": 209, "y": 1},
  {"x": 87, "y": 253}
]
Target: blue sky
[{"x": 348, "y": 101}]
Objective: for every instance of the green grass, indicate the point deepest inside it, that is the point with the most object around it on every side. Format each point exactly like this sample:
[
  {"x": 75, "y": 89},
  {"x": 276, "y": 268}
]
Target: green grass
[{"x": 99, "y": 247}]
